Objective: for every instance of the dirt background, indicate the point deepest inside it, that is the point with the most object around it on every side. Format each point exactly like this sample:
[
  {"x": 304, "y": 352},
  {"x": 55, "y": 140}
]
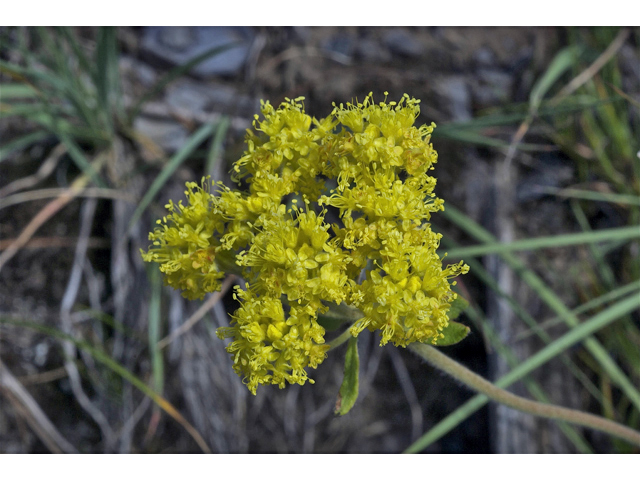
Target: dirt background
[{"x": 458, "y": 73}]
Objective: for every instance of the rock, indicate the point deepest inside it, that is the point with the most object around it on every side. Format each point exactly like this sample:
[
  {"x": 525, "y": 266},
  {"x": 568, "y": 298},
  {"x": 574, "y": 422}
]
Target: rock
[
  {"x": 457, "y": 99},
  {"x": 549, "y": 170},
  {"x": 170, "y": 136},
  {"x": 178, "y": 45},
  {"x": 370, "y": 51},
  {"x": 492, "y": 88},
  {"x": 199, "y": 99},
  {"x": 137, "y": 71},
  {"x": 342, "y": 44},
  {"x": 484, "y": 57},
  {"x": 401, "y": 42}
]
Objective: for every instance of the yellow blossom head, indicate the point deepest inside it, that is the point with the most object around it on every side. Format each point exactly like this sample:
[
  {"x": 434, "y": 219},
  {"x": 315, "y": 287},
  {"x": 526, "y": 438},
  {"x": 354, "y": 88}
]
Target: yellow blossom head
[{"x": 380, "y": 257}]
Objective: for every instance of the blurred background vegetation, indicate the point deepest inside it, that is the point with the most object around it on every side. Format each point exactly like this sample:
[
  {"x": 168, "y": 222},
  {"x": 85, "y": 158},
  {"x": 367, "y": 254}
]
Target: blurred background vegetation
[{"x": 539, "y": 138}]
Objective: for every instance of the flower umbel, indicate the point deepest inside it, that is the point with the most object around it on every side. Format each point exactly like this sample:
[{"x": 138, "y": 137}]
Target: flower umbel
[{"x": 378, "y": 254}]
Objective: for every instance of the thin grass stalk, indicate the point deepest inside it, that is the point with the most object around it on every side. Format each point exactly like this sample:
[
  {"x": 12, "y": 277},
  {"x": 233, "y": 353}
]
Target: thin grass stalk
[
  {"x": 575, "y": 335},
  {"x": 551, "y": 299},
  {"x": 491, "y": 391}
]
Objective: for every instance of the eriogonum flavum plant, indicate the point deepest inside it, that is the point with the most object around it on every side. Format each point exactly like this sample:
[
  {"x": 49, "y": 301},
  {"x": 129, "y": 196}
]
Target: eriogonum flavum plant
[{"x": 368, "y": 163}]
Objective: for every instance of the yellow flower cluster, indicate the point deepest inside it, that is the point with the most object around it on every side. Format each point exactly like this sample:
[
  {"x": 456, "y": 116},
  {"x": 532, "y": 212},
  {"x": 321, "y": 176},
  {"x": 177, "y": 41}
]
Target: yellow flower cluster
[{"x": 380, "y": 257}]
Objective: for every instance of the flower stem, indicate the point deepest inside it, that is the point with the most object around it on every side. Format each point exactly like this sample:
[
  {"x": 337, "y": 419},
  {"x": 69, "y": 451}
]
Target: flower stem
[
  {"x": 340, "y": 339},
  {"x": 479, "y": 384}
]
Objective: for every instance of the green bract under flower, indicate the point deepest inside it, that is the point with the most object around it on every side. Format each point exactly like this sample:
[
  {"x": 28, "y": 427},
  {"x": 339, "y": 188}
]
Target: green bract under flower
[{"x": 380, "y": 257}]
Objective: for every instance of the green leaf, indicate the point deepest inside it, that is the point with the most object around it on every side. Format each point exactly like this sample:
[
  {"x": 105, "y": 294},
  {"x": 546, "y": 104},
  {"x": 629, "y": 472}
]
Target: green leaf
[
  {"x": 349, "y": 389},
  {"x": 453, "y": 333},
  {"x": 458, "y": 306}
]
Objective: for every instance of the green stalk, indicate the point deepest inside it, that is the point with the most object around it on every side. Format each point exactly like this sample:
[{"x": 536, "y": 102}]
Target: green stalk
[
  {"x": 547, "y": 295},
  {"x": 479, "y": 384},
  {"x": 575, "y": 335}
]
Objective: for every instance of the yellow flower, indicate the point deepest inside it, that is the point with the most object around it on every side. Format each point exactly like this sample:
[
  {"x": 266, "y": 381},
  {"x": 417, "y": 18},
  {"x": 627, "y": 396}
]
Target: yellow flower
[
  {"x": 268, "y": 348},
  {"x": 185, "y": 245},
  {"x": 380, "y": 258}
]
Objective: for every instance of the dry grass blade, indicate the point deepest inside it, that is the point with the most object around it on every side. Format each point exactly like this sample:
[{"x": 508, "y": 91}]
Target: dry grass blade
[
  {"x": 43, "y": 172},
  {"x": 91, "y": 192},
  {"x": 32, "y": 412},
  {"x": 120, "y": 370},
  {"x": 43, "y": 377},
  {"x": 43, "y": 215},
  {"x": 402, "y": 373},
  {"x": 47, "y": 212},
  {"x": 600, "y": 62},
  {"x": 197, "y": 316},
  {"x": 56, "y": 242},
  {"x": 68, "y": 300}
]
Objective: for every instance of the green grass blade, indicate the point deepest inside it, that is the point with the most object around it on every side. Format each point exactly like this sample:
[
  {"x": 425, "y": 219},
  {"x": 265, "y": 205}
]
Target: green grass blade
[
  {"x": 535, "y": 328},
  {"x": 172, "y": 165},
  {"x": 611, "y": 234},
  {"x": 216, "y": 145},
  {"x": 618, "y": 198},
  {"x": 155, "y": 333},
  {"x": 106, "y": 79},
  {"x": 174, "y": 74},
  {"x": 560, "y": 64},
  {"x": 597, "y": 253},
  {"x": 33, "y": 75},
  {"x": 80, "y": 160},
  {"x": 22, "y": 143},
  {"x": 71, "y": 39},
  {"x": 28, "y": 110},
  {"x": 13, "y": 91},
  {"x": 59, "y": 126},
  {"x": 534, "y": 388},
  {"x": 476, "y": 138},
  {"x": 547, "y": 295},
  {"x": 589, "y": 305},
  {"x": 575, "y": 335}
]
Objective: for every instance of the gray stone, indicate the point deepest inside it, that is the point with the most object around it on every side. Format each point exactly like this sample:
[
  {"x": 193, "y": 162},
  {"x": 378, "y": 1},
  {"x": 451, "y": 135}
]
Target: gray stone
[
  {"x": 549, "y": 171},
  {"x": 371, "y": 51},
  {"x": 484, "y": 57},
  {"x": 199, "y": 98},
  {"x": 178, "y": 45},
  {"x": 403, "y": 43},
  {"x": 494, "y": 87},
  {"x": 457, "y": 97},
  {"x": 168, "y": 135},
  {"x": 342, "y": 44}
]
